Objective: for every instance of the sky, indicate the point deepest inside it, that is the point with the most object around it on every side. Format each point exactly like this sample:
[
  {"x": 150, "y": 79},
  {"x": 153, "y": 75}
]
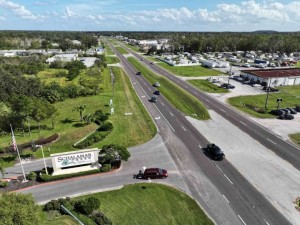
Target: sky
[{"x": 150, "y": 15}]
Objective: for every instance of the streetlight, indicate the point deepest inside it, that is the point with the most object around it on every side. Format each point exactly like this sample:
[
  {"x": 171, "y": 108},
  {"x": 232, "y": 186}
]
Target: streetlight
[{"x": 41, "y": 146}]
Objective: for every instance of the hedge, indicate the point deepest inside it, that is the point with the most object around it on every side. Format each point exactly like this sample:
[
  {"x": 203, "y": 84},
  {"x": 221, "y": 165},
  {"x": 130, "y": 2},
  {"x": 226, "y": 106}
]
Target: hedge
[
  {"x": 48, "y": 178},
  {"x": 93, "y": 138},
  {"x": 105, "y": 168}
]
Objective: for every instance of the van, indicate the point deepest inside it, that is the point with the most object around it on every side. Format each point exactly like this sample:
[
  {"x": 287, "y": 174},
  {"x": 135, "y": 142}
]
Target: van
[{"x": 155, "y": 173}]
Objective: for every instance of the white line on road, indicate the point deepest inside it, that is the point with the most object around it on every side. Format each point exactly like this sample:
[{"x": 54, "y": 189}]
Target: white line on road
[
  {"x": 242, "y": 219},
  {"x": 271, "y": 141},
  {"x": 219, "y": 168},
  {"x": 226, "y": 199},
  {"x": 183, "y": 128},
  {"x": 266, "y": 222},
  {"x": 207, "y": 100},
  {"x": 143, "y": 96},
  {"x": 223, "y": 110},
  {"x": 195, "y": 92},
  {"x": 228, "y": 178},
  {"x": 243, "y": 123},
  {"x": 163, "y": 104},
  {"x": 185, "y": 86},
  {"x": 149, "y": 89},
  {"x": 171, "y": 114},
  {"x": 200, "y": 146}
]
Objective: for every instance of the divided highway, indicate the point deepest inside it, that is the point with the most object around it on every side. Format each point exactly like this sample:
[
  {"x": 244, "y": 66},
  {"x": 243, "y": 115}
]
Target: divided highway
[{"x": 246, "y": 204}]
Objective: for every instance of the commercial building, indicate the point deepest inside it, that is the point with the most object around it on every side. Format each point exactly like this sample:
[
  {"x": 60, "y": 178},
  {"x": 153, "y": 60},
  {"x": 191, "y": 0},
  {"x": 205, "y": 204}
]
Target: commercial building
[{"x": 274, "y": 77}]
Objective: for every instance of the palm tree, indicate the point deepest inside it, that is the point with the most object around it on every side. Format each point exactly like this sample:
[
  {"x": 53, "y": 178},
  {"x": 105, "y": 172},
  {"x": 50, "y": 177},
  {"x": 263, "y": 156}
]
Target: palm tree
[{"x": 80, "y": 109}]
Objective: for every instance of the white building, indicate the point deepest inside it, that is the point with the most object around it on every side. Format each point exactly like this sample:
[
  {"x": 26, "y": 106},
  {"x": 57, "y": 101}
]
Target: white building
[{"x": 63, "y": 58}]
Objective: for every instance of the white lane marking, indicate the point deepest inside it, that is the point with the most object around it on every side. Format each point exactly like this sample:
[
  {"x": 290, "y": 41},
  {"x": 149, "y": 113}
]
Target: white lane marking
[
  {"x": 134, "y": 82},
  {"x": 223, "y": 110},
  {"x": 242, "y": 220},
  {"x": 143, "y": 96},
  {"x": 266, "y": 222},
  {"x": 157, "y": 118},
  {"x": 226, "y": 199},
  {"x": 171, "y": 114},
  {"x": 195, "y": 92},
  {"x": 271, "y": 141},
  {"x": 149, "y": 89},
  {"x": 183, "y": 128},
  {"x": 185, "y": 86},
  {"x": 200, "y": 146},
  {"x": 220, "y": 169},
  {"x": 163, "y": 104},
  {"x": 243, "y": 123},
  {"x": 228, "y": 178},
  {"x": 207, "y": 100}
]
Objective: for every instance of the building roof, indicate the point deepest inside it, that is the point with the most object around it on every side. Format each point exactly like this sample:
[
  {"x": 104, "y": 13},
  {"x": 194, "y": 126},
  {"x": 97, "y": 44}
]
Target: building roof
[{"x": 268, "y": 73}]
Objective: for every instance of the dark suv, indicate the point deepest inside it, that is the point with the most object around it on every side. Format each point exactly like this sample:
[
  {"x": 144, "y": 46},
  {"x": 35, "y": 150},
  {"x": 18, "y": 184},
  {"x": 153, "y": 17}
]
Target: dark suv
[
  {"x": 215, "y": 152},
  {"x": 155, "y": 173}
]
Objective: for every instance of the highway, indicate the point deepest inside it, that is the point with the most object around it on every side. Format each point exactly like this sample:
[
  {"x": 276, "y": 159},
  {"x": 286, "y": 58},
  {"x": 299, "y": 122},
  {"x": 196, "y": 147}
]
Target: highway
[{"x": 250, "y": 206}]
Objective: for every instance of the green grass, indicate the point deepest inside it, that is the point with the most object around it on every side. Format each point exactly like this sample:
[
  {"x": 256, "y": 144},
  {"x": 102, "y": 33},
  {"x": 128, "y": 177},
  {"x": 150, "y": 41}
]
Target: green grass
[
  {"x": 297, "y": 65},
  {"x": 108, "y": 50},
  {"x": 132, "y": 47},
  {"x": 55, "y": 218},
  {"x": 112, "y": 60},
  {"x": 190, "y": 71},
  {"x": 181, "y": 99},
  {"x": 205, "y": 85},
  {"x": 121, "y": 50},
  {"x": 295, "y": 138},
  {"x": 289, "y": 94},
  {"x": 150, "y": 204},
  {"x": 128, "y": 130}
]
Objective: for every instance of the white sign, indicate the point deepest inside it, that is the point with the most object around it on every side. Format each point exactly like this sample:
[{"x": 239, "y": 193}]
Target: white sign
[{"x": 75, "y": 159}]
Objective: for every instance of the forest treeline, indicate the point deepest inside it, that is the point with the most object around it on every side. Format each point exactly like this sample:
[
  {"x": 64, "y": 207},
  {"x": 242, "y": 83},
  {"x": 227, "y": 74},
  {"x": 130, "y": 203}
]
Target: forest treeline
[{"x": 180, "y": 41}]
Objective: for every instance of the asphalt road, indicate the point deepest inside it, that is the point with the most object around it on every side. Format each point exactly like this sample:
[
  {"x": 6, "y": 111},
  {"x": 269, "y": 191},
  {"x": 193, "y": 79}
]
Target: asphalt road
[{"x": 250, "y": 206}]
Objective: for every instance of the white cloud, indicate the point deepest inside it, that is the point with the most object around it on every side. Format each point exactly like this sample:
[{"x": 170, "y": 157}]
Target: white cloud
[
  {"x": 2, "y": 18},
  {"x": 18, "y": 10}
]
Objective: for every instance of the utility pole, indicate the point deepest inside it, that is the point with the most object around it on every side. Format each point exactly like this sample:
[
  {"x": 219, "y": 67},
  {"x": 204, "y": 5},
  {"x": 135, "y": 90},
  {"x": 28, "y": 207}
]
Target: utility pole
[
  {"x": 268, "y": 92},
  {"x": 41, "y": 146},
  {"x": 229, "y": 76}
]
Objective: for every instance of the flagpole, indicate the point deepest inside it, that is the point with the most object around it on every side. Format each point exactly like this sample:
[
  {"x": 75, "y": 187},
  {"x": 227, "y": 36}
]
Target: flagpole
[{"x": 16, "y": 149}]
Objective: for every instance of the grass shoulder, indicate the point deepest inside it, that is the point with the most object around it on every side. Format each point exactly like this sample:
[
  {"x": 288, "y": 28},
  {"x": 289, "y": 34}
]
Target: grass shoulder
[
  {"x": 121, "y": 50},
  {"x": 189, "y": 71},
  {"x": 151, "y": 204},
  {"x": 295, "y": 138},
  {"x": 181, "y": 99},
  {"x": 205, "y": 85}
]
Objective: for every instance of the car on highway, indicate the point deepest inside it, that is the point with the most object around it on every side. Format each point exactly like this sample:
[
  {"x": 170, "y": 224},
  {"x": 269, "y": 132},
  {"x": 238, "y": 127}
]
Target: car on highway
[
  {"x": 227, "y": 86},
  {"x": 138, "y": 73},
  {"x": 156, "y": 84},
  {"x": 214, "y": 152},
  {"x": 153, "y": 173},
  {"x": 153, "y": 99},
  {"x": 156, "y": 92}
]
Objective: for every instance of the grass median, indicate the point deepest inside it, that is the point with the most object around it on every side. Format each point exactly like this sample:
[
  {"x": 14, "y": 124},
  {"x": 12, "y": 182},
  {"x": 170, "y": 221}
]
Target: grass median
[
  {"x": 121, "y": 50},
  {"x": 181, "y": 99}
]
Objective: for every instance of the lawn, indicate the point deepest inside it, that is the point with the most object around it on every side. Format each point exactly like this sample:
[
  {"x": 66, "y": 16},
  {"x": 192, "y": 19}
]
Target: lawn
[
  {"x": 55, "y": 218},
  {"x": 297, "y": 65},
  {"x": 181, "y": 99},
  {"x": 132, "y": 47},
  {"x": 295, "y": 138},
  {"x": 150, "y": 204},
  {"x": 289, "y": 94},
  {"x": 128, "y": 130},
  {"x": 121, "y": 50},
  {"x": 190, "y": 71},
  {"x": 205, "y": 85}
]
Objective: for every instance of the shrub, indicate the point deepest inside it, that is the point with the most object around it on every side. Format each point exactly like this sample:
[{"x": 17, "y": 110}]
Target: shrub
[
  {"x": 87, "y": 206},
  {"x": 105, "y": 168},
  {"x": 31, "y": 176},
  {"x": 107, "y": 126},
  {"x": 3, "y": 184},
  {"x": 52, "y": 205},
  {"x": 93, "y": 138},
  {"x": 100, "y": 117},
  {"x": 100, "y": 218},
  {"x": 48, "y": 178}
]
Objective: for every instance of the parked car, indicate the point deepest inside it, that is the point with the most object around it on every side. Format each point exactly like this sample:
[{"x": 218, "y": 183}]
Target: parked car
[
  {"x": 215, "y": 152},
  {"x": 138, "y": 73},
  {"x": 297, "y": 108},
  {"x": 153, "y": 99},
  {"x": 154, "y": 173},
  {"x": 277, "y": 112},
  {"x": 156, "y": 92},
  {"x": 156, "y": 84},
  {"x": 292, "y": 111},
  {"x": 227, "y": 86},
  {"x": 286, "y": 117}
]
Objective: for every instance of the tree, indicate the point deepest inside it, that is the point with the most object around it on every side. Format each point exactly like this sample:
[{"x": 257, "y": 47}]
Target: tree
[
  {"x": 80, "y": 109},
  {"x": 18, "y": 209},
  {"x": 115, "y": 152}
]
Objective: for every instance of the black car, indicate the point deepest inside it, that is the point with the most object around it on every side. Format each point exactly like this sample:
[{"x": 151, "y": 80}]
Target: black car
[
  {"x": 286, "y": 117},
  {"x": 277, "y": 112},
  {"x": 292, "y": 111},
  {"x": 297, "y": 108},
  {"x": 139, "y": 73},
  {"x": 215, "y": 152},
  {"x": 227, "y": 86},
  {"x": 153, "y": 99},
  {"x": 156, "y": 92}
]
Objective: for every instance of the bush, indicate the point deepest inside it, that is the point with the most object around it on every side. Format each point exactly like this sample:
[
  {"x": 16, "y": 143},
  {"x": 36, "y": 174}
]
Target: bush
[
  {"x": 3, "y": 184},
  {"x": 105, "y": 168},
  {"x": 100, "y": 218},
  {"x": 107, "y": 126},
  {"x": 87, "y": 206},
  {"x": 52, "y": 205},
  {"x": 48, "y": 178},
  {"x": 93, "y": 138},
  {"x": 31, "y": 176},
  {"x": 261, "y": 111},
  {"x": 100, "y": 117}
]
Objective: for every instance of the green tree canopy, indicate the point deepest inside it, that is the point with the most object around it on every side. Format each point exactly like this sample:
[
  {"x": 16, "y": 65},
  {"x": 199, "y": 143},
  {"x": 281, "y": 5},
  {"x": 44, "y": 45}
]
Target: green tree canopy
[{"x": 18, "y": 209}]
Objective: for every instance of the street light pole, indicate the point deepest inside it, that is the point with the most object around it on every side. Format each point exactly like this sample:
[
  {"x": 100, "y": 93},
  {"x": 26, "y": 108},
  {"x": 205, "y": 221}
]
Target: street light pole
[
  {"x": 268, "y": 92},
  {"x": 41, "y": 146}
]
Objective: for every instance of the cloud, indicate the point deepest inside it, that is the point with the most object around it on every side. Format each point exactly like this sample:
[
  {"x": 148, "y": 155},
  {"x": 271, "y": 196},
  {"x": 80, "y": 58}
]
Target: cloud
[
  {"x": 2, "y": 18},
  {"x": 69, "y": 13},
  {"x": 19, "y": 10}
]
